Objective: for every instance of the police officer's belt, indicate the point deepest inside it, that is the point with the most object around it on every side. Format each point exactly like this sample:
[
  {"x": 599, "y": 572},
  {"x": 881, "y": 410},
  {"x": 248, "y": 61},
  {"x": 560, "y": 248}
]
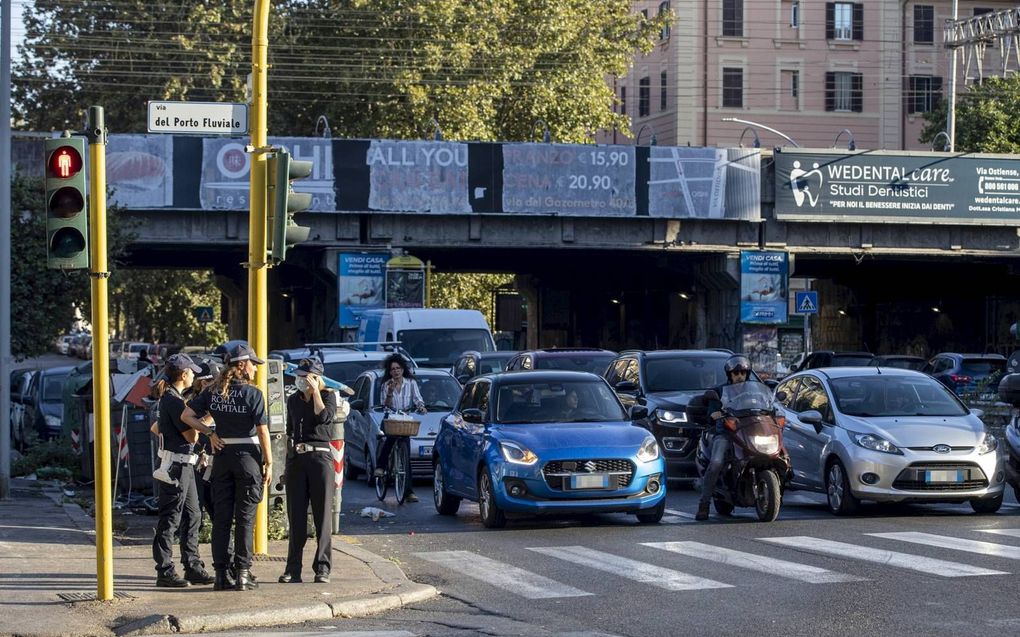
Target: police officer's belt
[
  {"x": 183, "y": 458},
  {"x": 251, "y": 440},
  {"x": 302, "y": 447}
]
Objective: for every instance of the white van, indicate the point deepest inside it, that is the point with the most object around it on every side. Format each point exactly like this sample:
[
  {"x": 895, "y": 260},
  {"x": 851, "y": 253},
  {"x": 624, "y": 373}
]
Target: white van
[{"x": 433, "y": 337}]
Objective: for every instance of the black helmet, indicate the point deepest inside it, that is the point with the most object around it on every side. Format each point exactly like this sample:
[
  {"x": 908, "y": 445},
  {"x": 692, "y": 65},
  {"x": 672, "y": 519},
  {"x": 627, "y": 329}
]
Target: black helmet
[{"x": 737, "y": 362}]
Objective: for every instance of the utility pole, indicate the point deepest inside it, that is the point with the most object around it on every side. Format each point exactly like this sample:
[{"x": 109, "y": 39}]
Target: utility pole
[
  {"x": 951, "y": 116},
  {"x": 5, "y": 251}
]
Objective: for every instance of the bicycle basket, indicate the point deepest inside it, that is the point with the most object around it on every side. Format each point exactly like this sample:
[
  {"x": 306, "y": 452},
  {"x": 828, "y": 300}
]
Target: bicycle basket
[{"x": 393, "y": 427}]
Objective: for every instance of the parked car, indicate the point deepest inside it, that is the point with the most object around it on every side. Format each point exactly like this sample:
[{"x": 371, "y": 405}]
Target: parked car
[
  {"x": 968, "y": 373},
  {"x": 440, "y": 391},
  {"x": 43, "y": 400},
  {"x": 21, "y": 379},
  {"x": 829, "y": 358},
  {"x": 664, "y": 382},
  {"x": 511, "y": 447},
  {"x": 899, "y": 361},
  {"x": 62, "y": 343},
  {"x": 887, "y": 435},
  {"x": 578, "y": 359},
  {"x": 129, "y": 350},
  {"x": 473, "y": 363}
]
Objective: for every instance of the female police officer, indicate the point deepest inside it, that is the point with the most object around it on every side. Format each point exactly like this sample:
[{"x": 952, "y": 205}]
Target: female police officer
[
  {"x": 243, "y": 461},
  {"x": 309, "y": 473}
]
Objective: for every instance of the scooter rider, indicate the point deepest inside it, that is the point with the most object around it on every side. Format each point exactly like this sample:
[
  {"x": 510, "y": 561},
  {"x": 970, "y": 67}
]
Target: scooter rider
[{"x": 737, "y": 369}]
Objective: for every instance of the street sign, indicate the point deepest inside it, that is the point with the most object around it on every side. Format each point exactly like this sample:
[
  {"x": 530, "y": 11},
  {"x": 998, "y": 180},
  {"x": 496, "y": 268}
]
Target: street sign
[
  {"x": 203, "y": 314},
  {"x": 198, "y": 118},
  {"x": 806, "y": 302}
]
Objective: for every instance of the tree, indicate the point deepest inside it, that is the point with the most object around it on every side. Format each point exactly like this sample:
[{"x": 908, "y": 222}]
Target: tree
[
  {"x": 375, "y": 68},
  {"x": 470, "y": 291},
  {"x": 987, "y": 117},
  {"x": 159, "y": 306}
]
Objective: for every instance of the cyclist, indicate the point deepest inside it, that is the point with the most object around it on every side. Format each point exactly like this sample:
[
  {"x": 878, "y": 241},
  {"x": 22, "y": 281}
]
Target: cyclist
[{"x": 399, "y": 392}]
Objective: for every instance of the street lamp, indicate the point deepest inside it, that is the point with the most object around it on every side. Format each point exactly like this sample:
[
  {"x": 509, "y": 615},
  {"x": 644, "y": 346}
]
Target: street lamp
[
  {"x": 941, "y": 133},
  {"x": 546, "y": 135},
  {"x": 851, "y": 145},
  {"x": 437, "y": 133},
  {"x": 762, "y": 126},
  {"x": 651, "y": 142},
  {"x": 326, "y": 131},
  {"x": 757, "y": 140}
]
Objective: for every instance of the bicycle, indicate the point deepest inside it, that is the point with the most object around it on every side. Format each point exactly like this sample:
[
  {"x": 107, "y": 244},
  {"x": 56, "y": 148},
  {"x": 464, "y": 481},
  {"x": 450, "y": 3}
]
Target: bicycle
[{"x": 399, "y": 469}]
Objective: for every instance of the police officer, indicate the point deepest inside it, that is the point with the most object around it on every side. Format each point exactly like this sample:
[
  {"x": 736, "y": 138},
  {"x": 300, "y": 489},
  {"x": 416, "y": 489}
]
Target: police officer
[
  {"x": 203, "y": 470},
  {"x": 309, "y": 473},
  {"x": 178, "y": 500},
  {"x": 243, "y": 462}
]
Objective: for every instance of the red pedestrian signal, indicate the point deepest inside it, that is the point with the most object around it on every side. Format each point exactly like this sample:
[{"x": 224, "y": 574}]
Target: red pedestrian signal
[
  {"x": 64, "y": 162},
  {"x": 67, "y": 222}
]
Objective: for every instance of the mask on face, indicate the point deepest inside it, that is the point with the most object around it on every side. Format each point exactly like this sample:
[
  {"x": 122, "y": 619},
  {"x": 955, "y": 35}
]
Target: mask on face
[{"x": 302, "y": 384}]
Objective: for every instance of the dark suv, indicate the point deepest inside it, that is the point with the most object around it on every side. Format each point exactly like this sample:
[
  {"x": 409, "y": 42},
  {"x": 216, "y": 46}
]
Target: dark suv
[
  {"x": 664, "y": 382},
  {"x": 473, "y": 363},
  {"x": 828, "y": 358},
  {"x": 967, "y": 373},
  {"x": 575, "y": 359}
]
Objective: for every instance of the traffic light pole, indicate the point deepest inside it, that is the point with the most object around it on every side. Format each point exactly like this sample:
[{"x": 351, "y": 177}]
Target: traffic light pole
[
  {"x": 258, "y": 312},
  {"x": 96, "y": 133},
  {"x": 5, "y": 250}
]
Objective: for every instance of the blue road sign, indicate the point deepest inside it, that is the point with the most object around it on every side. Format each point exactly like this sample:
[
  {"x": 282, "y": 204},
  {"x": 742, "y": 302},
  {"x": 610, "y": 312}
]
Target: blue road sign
[
  {"x": 806, "y": 302},
  {"x": 203, "y": 313}
]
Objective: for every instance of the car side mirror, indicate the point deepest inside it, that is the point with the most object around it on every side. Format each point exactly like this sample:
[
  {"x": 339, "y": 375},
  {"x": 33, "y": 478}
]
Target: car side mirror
[
  {"x": 771, "y": 383},
  {"x": 358, "y": 405},
  {"x": 711, "y": 395},
  {"x": 812, "y": 417},
  {"x": 638, "y": 412},
  {"x": 473, "y": 416},
  {"x": 980, "y": 413},
  {"x": 781, "y": 396},
  {"x": 626, "y": 386}
]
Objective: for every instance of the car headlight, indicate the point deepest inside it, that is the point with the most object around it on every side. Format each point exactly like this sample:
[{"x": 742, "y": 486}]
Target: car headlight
[
  {"x": 671, "y": 415},
  {"x": 875, "y": 443},
  {"x": 988, "y": 444},
  {"x": 52, "y": 422},
  {"x": 766, "y": 444},
  {"x": 517, "y": 454},
  {"x": 649, "y": 450}
]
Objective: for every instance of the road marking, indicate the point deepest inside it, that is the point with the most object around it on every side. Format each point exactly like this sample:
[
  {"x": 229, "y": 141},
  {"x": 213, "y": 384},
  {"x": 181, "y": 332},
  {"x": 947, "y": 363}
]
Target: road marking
[
  {"x": 942, "y": 568},
  {"x": 760, "y": 563},
  {"x": 510, "y": 578},
  {"x": 631, "y": 569},
  {"x": 1009, "y": 532},
  {"x": 954, "y": 543},
  {"x": 681, "y": 514}
]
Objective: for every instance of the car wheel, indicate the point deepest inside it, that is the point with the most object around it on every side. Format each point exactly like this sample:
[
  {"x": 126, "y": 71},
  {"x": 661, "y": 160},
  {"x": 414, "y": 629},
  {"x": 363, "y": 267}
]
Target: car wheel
[
  {"x": 492, "y": 516},
  {"x": 351, "y": 472},
  {"x": 986, "y": 505},
  {"x": 446, "y": 504},
  {"x": 837, "y": 490},
  {"x": 652, "y": 516},
  {"x": 722, "y": 507}
]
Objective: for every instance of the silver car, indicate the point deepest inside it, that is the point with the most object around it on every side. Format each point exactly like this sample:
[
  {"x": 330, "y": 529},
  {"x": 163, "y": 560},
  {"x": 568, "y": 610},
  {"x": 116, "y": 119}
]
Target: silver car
[{"x": 887, "y": 435}]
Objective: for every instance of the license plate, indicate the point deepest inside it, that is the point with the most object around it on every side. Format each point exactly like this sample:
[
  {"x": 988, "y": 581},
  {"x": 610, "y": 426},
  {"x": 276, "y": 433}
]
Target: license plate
[
  {"x": 589, "y": 481},
  {"x": 424, "y": 452},
  {"x": 943, "y": 476}
]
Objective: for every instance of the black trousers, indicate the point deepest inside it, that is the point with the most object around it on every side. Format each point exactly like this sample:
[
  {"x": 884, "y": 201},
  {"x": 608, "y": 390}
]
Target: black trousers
[
  {"x": 178, "y": 507},
  {"x": 310, "y": 481},
  {"x": 237, "y": 491}
]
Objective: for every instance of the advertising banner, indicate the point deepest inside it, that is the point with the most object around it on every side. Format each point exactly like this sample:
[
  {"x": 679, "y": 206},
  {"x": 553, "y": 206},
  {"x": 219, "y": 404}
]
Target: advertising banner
[
  {"x": 764, "y": 290},
  {"x": 704, "y": 183},
  {"x": 761, "y": 346},
  {"x": 360, "y": 284},
  {"x": 418, "y": 176},
  {"x": 897, "y": 188},
  {"x": 405, "y": 287},
  {"x": 140, "y": 170}
]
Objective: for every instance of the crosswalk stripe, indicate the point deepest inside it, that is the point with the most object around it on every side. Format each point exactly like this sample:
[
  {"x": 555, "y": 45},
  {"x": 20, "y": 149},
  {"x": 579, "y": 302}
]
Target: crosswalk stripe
[
  {"x": 760, "y": 563},
  {"x": 681, "y": 514},
  {"x": 631, "y": 569},
  {"x": 954, "y": 543},
  {"x": 1009, "y": 532},
  {"x": 510, "y": 578},
  {"x": 919, "y": 563}
]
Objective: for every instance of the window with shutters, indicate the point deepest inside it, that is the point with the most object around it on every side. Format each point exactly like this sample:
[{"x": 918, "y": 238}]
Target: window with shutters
[
  {"x": 644, "y": 97},
  {"x": 623, "y": 100},
  {"x": 795, "y": 14},
  {"x": 788, "y": 100},
  {"x": 733, "y": 18},
  {"x": 923, "y": 93},
  {"x": 664, "y": 33},
  {"x": 924, "y": 24},
  {"x": 843, "y": 92},
  {"x": 733, "y": 88},
  {"x": 663, "y": 101},
  {"x": 844, "y": 21}
]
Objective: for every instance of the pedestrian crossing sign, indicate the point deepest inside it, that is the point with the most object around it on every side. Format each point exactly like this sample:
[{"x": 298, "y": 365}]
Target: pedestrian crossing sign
[
  {"x": 203, "y": 314},
  {"x": 806, "y": 302}
]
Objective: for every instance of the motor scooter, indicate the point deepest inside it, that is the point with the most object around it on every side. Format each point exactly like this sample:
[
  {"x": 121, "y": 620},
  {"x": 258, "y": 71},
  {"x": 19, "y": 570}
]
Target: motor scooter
[
  {"x": 1009, "y": 392},
  {"x": 758, "y": 468}
]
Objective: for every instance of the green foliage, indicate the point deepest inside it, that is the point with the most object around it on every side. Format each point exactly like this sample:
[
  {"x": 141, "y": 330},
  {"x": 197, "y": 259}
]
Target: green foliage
[
  {"x": 471, "y": 291},
  {"x": 48, "y": 460},
  {"x": 375, "y": 68},
  {"x": 987, "y": 118},
  {"x": 159, "y": 306}
]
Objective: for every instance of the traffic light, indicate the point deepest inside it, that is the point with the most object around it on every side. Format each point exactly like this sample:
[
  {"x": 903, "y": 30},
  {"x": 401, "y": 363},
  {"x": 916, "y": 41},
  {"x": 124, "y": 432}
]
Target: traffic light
[
  {"x": 283, "y": 202},
  {"x": 67, "y": 219}
]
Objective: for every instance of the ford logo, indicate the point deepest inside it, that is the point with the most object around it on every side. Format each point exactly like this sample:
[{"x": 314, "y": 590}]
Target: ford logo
[{"x": 941, "y": 448}]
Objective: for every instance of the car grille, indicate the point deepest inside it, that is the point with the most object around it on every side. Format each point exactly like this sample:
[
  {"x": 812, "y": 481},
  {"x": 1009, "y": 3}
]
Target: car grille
[
  {"x": 558, "y": 471},
  {"x": 421, "y": 466},
  {"x": 912, "y": 478}
]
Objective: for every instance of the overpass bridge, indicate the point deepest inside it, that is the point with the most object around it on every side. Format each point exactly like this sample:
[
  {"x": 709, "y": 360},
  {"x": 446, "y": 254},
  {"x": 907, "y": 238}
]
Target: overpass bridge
[{"x": 618, "y": 246}]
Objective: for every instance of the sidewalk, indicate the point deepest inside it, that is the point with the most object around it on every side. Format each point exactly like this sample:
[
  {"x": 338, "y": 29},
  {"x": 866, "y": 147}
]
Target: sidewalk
[{"x": 48, "y": 549}]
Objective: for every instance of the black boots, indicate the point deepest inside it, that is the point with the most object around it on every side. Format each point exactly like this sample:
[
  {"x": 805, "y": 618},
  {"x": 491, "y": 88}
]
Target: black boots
[
  {"x": 171, "y": 579},
  {"x": 702, "y": 512},
  {"x": 198, "y": 575},
  {"x": 224, "y": 581},
  {"x": 245, "y": 581}
]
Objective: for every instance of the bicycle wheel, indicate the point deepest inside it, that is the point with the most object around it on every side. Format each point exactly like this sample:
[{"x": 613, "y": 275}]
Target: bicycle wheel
[
  {"x": 402, "y": 469},
  {"x": 382, "y": 483}
]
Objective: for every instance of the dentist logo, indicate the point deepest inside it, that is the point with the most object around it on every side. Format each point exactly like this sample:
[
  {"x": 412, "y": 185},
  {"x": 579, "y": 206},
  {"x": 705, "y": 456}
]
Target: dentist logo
[{"x": 805, "y": 184}]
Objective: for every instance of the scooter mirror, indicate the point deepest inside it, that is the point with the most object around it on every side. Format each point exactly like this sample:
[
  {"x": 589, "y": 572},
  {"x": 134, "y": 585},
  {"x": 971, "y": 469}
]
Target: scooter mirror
[{"x": 781, "y": 396}]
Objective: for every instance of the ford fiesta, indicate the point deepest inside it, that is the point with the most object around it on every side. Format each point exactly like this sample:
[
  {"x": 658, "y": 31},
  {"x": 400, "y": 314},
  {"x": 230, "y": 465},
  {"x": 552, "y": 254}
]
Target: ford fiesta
[{"x": 556, "y": 442}]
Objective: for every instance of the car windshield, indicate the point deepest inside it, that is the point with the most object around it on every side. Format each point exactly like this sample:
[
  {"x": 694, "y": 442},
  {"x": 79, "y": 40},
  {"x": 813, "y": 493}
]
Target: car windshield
[
  {"x": 495, "y": 364},
  {"x": 981, "y": 367},
  {"x": 569, "y": 401},
  {"x": 747, "y": 396},
  {"x": 850, "y": 360},
  {"x": 886, "y": 396},
  {"x": 440, "y": 348},
  {"x": 53, "y": 388},
  {"x": 594, "y": 363},
  {"x": 139, "y": 347},
  {"x": 688, "y": 373},
  {"x": 347, "y": 371}
]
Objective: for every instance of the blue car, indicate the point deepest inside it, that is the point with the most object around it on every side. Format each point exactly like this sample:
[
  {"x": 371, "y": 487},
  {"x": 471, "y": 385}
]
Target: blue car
[{"x": 546, "y": 442}]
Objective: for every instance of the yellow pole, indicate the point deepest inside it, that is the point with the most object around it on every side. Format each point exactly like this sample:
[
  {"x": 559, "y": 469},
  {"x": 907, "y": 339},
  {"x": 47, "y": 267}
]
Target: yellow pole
[
  {"x": 100, "y": 354},
  {"x": 258, "y": 313}
]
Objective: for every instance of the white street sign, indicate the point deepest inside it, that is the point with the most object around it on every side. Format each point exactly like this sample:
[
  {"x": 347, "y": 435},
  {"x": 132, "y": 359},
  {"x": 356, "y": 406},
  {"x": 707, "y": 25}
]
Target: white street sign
[{"x": 198, "y": 118}]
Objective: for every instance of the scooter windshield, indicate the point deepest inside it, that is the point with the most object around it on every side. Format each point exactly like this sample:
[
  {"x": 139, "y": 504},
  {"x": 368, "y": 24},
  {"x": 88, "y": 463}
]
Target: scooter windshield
[{"x": 745, "y": 398}]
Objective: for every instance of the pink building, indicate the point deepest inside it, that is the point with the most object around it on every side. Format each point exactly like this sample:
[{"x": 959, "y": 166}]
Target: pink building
[{"x": 808, "y": 69}]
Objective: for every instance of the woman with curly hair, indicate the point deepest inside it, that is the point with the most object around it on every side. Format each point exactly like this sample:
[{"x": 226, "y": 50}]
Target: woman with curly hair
[{"x": 399, "y": 392}]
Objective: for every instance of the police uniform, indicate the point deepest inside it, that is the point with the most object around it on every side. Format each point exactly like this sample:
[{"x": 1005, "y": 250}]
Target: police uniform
[
  {"x": 237, "y": 485},
  {"x": 309, "y": 476}
]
